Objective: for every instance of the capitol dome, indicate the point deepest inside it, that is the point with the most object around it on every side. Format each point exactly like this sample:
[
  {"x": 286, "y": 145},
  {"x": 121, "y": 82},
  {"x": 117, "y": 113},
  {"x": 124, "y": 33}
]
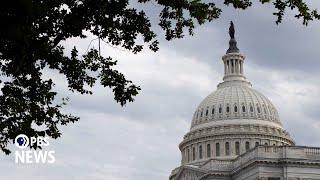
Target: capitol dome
[
  {"x": 236, "y": 134},
  {"x": 233, "y": 119},
  {"x": 235, "y": 103}
]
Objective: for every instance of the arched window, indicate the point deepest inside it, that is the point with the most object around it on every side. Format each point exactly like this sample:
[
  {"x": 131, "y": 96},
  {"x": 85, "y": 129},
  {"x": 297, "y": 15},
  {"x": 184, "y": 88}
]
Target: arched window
[
  {"x": 200, "y": 152},
  {"x": 266, "y": 144},
  {"x": 201, "y": 113},
  {"x": 257, "y": 143},
  {"x": 227, "y": 148},
  {"x": 207, "y": 112},
  {"x": 197, "y": 114},
  {"x": 188, "y": 155},
  {"x": 208, "y": 150},
  {"x": 237, "y": 148},
  {"x": 220, "y": 109},
  {"x": 228, "y": 109},
  {"x": 193, "y": 153},
  {"x": 217, "y": 149},
  {"x": 258, "y": 109},
  {"x": 251, "y": 109},
  {"x": 247, "y": 146},
  {"x": 212, "y": 110},
  {"x": 243, "y": 108},
  {"x": 235, "y": 109}
]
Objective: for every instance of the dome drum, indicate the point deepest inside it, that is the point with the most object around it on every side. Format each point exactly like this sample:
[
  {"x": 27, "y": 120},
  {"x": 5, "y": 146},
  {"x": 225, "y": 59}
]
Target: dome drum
[{"x": 226, "y": 146}]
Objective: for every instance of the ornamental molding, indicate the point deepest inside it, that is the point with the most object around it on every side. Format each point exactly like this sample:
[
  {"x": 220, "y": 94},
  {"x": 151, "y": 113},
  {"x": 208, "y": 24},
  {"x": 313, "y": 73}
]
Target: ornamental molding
[
  {"x": 234, "y": 137},
  {"x": 248, "y": 126},
  {"x": 233, "y": 56},
  {"x": 237, "y": 131}
]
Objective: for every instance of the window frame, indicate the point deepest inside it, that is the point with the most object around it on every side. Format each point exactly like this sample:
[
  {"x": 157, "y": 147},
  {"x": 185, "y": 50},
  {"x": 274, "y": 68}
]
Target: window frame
[
  {"x": 237, "y": 147},
  {"x": 208, "y": 150},
  {"x": 193, "y": 153},
  {"x": 200, "y": 152},
  {"x": 227, "y": 149},
  {"x": 247, "y": 146},
  {"x": 218, "y": 153}
]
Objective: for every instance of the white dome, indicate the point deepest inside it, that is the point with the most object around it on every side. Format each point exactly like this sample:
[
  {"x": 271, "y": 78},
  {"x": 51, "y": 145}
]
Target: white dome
[{"x": 235, "y": 102}]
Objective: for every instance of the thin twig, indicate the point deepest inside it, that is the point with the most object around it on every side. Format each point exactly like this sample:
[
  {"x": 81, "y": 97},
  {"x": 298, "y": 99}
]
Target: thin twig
[{"x": 90, "y": 44}]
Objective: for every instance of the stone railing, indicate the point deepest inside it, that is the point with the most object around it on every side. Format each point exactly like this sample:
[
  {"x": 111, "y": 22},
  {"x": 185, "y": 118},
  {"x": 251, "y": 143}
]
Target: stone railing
[
  {"x": 217, "y": 165},
  {"x": 312, "y": 151},
  {"x": 277, "y": 152}
]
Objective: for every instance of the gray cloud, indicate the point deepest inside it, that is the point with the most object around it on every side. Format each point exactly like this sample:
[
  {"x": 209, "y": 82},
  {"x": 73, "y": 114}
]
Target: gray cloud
[
  {"x": 287, "y": 46},
  {"x": 140, "y": 140}
]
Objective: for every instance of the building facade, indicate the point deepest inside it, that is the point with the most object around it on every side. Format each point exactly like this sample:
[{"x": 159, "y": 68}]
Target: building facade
[{"x": 236, "y": 134}]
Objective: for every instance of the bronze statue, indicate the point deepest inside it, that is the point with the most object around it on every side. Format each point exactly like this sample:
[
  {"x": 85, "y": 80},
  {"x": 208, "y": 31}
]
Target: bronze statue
[
  {"x": 231, "y": 30},
  {"x": 232, "y": 43}
]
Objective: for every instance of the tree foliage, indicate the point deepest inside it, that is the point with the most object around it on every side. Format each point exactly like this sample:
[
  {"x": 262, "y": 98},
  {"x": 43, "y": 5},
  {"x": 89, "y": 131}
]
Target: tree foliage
[{"x": 32, "y": 33}]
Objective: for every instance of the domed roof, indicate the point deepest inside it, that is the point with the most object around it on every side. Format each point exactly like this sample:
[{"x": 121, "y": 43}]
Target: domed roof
[
  {"x": 235, "y": 102},
  {"x": 233, "y": 119}
]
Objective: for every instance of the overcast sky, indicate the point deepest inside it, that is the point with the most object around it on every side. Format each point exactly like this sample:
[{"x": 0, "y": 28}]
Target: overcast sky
[{"x": 140, "y": 141}]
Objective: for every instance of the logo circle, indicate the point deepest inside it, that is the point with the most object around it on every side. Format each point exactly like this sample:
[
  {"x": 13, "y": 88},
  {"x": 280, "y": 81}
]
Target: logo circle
[{"x": 21, "y": 141}]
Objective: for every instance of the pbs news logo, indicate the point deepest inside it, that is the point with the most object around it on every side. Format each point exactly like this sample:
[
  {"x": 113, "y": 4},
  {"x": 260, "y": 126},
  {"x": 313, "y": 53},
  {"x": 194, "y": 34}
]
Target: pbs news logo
[{"x": 31, "y": 156}]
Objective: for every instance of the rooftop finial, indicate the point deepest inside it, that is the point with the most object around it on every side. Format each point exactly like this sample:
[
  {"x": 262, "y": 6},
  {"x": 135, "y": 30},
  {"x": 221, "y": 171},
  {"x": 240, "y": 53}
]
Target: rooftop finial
[
  {"x": 232, "y": 43},
  {"x": 231, "y": 30}
]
